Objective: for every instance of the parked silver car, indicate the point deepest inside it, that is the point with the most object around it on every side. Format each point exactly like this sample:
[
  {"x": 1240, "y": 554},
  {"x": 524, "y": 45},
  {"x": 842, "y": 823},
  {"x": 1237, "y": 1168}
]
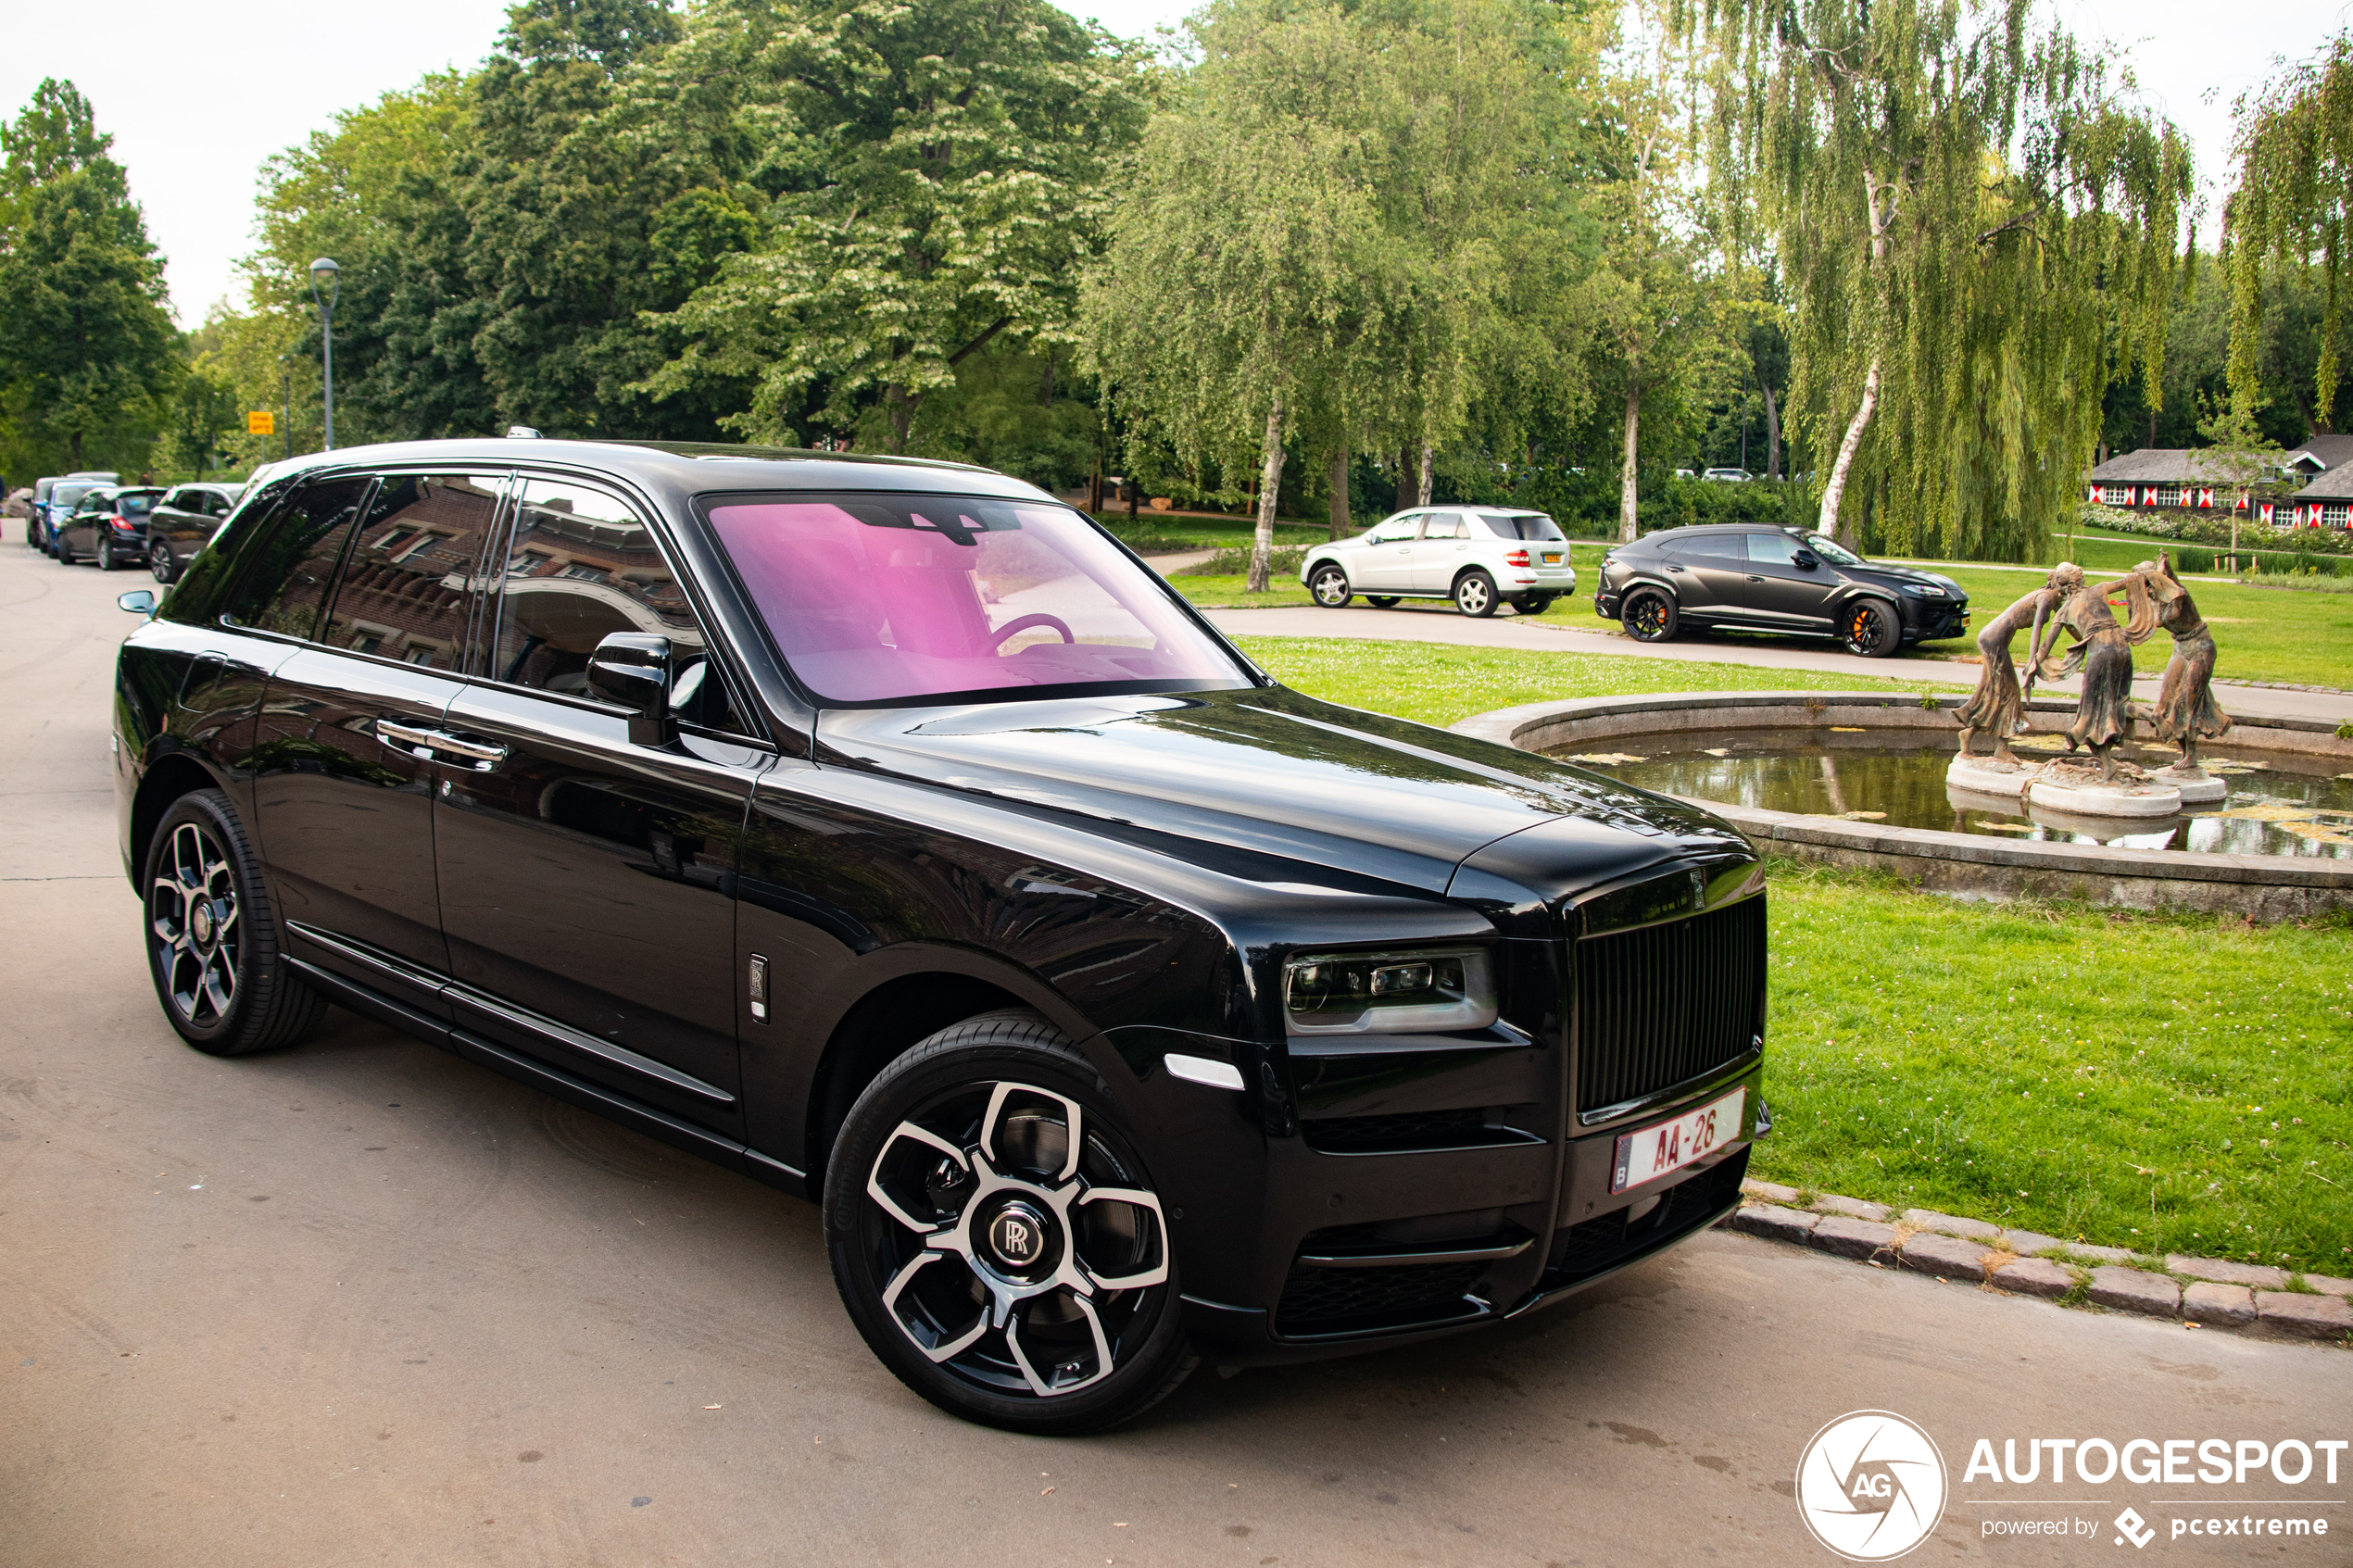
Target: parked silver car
[{"x": 1478, "y": 557}]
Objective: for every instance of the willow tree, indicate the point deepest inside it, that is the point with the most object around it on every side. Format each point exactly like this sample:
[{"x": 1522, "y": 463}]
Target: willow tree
[
  {"x": 1977, "y": 234},
  {"x": 2293, "y": 198}
]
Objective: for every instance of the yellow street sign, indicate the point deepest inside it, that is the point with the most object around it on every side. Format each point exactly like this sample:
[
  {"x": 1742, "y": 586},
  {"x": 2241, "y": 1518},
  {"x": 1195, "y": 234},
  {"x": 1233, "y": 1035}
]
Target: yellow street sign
[{"x": 261, "y": 421}]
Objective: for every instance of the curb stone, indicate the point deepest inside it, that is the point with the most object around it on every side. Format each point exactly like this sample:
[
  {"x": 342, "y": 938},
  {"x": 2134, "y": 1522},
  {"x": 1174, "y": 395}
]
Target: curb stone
[
  {"x": 2315, "y": 1317},
  {"x": 2201, "y": 1291},
  {"x": 2230, "y": 1306}
]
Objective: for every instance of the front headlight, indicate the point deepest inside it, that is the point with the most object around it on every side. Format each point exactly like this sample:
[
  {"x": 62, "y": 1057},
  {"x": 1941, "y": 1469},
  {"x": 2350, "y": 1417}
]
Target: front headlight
[
  {"x": 1923, "y": 590},
  {"x": 1417, "y": 992}
]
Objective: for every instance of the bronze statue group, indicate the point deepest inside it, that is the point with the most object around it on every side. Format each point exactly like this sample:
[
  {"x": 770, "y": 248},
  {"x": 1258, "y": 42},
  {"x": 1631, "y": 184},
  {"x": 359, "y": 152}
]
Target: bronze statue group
[{"x": 2185, "y": 710}]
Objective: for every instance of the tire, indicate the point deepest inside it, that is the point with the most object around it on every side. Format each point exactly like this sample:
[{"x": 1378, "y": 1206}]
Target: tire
[
  {"x": 105, "y": 554},
  {"x": 63, "y": 553},
  {"x": 159, "y": 564},
  {"x": 913, "y": 1161},
  {"x": 1533, "y": 604},
  {"x": 1649, "y": 616},
  {"x": 1329, "y": 584},
  {"x": 1870, "y": 628},
  {"x": 1475, "y": 594},
  {"x": 1381, "y": 601},
  {"x": 211, "y": 939}
]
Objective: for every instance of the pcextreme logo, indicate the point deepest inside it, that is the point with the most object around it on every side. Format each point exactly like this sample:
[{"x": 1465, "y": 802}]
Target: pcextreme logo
[{"x": 1870, "y": 1486}]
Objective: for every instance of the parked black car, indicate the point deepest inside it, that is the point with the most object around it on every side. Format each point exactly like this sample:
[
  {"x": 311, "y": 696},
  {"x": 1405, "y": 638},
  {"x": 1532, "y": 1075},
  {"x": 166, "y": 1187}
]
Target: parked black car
[
  {"x": 110, "y": 526},
  {"x": 182, "y": 523},
  {"x": 888, "y": 832},
  {"x": 1756, "y": 579}
]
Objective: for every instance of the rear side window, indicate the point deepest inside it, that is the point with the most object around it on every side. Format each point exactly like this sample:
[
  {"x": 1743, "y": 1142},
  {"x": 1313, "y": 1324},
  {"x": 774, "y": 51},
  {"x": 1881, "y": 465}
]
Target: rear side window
[
  {"x": 404, "y": 592},
  {"x": 1523, "y": 525},
  {"x": 1772, "y": 549},
  {"x": 291, "y": 570},
  {"x": 1446, "y": 525}
]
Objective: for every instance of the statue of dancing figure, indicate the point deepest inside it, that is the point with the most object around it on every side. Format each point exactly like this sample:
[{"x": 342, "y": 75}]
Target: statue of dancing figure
[
  {"x": 2185, "y": 709},
  {"x": 1997, "y": 706},
  {"x": 2104, "y": 713}
]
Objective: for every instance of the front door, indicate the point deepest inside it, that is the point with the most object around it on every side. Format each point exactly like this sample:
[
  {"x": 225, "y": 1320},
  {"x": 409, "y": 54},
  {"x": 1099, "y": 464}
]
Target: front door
[
  {"x": 346, "y": 758},
  {"x": 1789, "y": 594},
  {"x": 1385, "y": 564},
  {"x": 587, "y": 881}
]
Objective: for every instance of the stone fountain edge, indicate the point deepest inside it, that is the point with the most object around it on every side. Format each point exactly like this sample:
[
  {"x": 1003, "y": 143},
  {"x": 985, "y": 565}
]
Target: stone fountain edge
[{"x": 2264, "y": 888}]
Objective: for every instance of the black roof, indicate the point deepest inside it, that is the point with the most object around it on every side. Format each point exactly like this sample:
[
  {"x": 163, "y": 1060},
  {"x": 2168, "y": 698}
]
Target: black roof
[{"x": 678, "y": 471}]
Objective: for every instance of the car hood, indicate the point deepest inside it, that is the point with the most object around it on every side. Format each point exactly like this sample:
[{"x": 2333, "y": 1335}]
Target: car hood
[
  {"x": 1898, "y": 574},
  {"x": 1272, "y": 785}
]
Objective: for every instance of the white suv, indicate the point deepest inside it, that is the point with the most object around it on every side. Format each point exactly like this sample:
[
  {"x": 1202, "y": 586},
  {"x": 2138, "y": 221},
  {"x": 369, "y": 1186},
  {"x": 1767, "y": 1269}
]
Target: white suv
[{"x": 1478, "y": 557}]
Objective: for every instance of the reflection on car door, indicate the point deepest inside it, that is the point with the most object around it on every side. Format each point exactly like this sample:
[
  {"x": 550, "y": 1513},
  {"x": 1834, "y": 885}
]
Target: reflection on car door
[
  {"x": 1786, "y": 594},
  {"x": 1718, "y": 574},
  {"x": 346, "y": 753},
  {"x": 1443, "y": 550},
  {"x": 1385, "y": 564},
  {"x": 587, "y": 881}
]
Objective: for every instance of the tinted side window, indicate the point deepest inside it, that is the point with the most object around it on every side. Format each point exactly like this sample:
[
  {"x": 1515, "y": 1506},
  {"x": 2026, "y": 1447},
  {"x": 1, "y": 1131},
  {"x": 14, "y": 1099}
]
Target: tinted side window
[
  {"x": 404, "y": 592},
  {"x": 1771, "y": 549},
  {"x": 580, "y": 566},
  {"x": 291, "y": 570}
]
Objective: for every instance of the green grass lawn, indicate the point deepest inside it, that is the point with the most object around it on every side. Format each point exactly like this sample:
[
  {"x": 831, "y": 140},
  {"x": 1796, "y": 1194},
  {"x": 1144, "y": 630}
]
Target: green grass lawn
[
  {"x": 1439, "y": 682},
  {"x": 2166, "y": 1083},
  {"x": 2098, "y": 1076}
]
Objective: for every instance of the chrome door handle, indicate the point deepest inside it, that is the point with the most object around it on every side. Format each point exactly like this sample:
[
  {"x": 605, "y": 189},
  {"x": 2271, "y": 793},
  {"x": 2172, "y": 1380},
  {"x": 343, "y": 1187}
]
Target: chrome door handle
[
  {"x": 482, "y": 754},
  {"x": 421, "y": 741}
]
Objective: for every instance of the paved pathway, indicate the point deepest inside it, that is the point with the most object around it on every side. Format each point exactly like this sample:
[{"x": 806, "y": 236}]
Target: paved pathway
[
  {"x": 362, "y": 1301},
  {"x": 1572, "y": 629}
]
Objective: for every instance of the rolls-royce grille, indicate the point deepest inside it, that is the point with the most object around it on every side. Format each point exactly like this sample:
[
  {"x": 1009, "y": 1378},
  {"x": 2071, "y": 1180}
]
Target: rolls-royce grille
[{"x": 1661, "y": 1005}]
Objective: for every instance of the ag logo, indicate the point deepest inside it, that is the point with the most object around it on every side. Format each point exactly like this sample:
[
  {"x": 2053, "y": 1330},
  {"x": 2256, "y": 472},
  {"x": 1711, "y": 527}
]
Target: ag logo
[{"x": 1870, "y": 1486}]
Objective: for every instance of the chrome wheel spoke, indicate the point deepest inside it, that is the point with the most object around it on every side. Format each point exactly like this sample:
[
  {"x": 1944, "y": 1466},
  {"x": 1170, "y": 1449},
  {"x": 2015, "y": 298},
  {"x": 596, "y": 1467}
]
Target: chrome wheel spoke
[
  {"x": 992, "y": 1121},
  {"x": 910, "y": 1132},
  {"x": 1156, "y": 1273},
  {"x": 1060, "y": 1378},
  {"x": 938, "y": 1348}
]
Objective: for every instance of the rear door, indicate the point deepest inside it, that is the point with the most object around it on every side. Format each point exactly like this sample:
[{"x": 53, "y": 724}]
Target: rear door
[
  {"x": 1718, "y": 570},
  {"x": 587, "y": 881},
  {"x": 1444, "y": 549},
  {"x": 346, "y": 755}
]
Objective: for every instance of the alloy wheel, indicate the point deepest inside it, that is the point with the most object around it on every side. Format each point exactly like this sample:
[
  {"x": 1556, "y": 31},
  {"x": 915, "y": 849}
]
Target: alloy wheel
[
  {"x": 1016, "y": 1244},
  {"x": 1867, "y": 629},
  {"x": 1330, "y": 587},
  {"x": 192, "y": 911},
  {"x": 1647, "y": 618},
  {"x": 1474, "y": 594}
]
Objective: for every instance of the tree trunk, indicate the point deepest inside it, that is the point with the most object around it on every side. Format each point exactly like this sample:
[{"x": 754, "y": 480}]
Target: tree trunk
[
  {"x": 1772, "y": 431},
  {"x": 1046, "y": 386},
  {"x": 902, "y": 409},
  {"x": 1628, "y": 523},
  {"x": 1423, "y": 491},
  {"x": 1835, "y": 490},
  {"x": 1095, "y": 489},
  {"x": 1339, "y": 491},
  {"x": 1270, "y": 483}
]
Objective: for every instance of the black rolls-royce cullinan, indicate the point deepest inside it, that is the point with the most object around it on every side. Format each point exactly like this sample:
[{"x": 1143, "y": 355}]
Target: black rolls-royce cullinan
[{"x": 886, "y": 831}]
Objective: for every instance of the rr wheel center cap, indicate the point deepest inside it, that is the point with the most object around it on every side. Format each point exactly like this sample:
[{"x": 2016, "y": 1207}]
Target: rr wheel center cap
[
  {"x": 200, "y": 922},
  {"x": 1018, "y": 1235}
]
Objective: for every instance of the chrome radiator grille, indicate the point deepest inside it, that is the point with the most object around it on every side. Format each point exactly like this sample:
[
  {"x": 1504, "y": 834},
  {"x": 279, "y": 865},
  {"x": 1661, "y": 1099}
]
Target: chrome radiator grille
[{"x": 1664, "y": 1004}]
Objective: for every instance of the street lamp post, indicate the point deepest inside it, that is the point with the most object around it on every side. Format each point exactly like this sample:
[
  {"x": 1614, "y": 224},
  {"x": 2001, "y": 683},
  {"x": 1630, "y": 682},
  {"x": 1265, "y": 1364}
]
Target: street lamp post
[{"x": 325, "y": 275}]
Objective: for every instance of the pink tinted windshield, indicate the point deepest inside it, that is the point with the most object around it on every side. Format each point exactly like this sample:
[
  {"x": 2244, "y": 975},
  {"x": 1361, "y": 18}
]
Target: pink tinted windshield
[{"x": 887, "y": 599}]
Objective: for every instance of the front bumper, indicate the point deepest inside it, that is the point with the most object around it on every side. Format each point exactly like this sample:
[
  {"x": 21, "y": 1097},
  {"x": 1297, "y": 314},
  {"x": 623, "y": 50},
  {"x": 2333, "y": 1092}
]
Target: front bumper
[
  {"x": 1343, "y": 1288},
  {"x": 1932, "y": 619}
]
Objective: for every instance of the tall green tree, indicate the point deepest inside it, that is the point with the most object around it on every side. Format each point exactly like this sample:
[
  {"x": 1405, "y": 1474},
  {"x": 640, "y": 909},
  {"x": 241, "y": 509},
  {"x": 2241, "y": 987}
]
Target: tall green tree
[
  {"x": 87, "y": 351},
  {"x": 934, "y": 179},
  {"x": 2289, "y": 211},
  {"x": 1977, "y": 234}
]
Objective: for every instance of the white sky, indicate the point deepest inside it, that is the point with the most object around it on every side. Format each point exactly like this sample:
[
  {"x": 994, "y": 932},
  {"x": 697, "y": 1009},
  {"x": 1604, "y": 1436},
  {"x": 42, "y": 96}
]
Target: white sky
[{"x": 197, "y": 96}]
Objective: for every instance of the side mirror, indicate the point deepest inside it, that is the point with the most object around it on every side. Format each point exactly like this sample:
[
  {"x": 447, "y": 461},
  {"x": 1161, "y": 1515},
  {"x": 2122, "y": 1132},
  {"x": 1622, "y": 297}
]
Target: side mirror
[
  {"x": 632, "y": 669},
  {"x": 1805, "y": 560},
  {"x": 139, "y": 601}
]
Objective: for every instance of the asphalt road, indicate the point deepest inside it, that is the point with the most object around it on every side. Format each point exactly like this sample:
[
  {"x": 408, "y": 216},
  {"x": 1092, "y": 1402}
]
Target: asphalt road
[{"x": 362, "y": 1302}]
